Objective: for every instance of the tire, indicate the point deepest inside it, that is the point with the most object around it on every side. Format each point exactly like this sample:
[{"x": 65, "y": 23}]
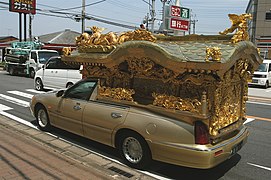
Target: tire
[
  {"x": 69, "y": 85},
  {"x": 134, "y": 150},
  {"x": 32, "y": 73},
  {"x": 266, "y": 85},
  {"x": 11, "y": 71},
  {"x": 42, "y": 119},
  {"x": 38, "y": 84}
]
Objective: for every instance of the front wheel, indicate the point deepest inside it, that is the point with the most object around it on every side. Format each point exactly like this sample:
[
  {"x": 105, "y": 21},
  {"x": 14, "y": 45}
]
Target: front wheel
[
  {"x": 42, "y": 119},
  {"x": 38, "y": 84},
  {"x": 134, "y": 150},
  {"x": 266, "y": 85},
  {"x": 32, "y": 73}
]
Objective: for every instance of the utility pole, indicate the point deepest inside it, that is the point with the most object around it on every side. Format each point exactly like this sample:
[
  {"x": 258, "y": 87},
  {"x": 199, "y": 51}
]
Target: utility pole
[
  {"x": 83, "y": 16},
  {"x": 164, "y": 15},
  {"x": 30, "y": 26},
  {"x": 177, "y": 3},
  {"x": 153, "y": 15},
  {"x": 193, "y": 23}
]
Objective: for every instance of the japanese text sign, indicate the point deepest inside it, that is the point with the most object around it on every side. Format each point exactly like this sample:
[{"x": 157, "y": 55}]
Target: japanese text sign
[
  {"x": 23, "y": 6},
  {"x": 179, "y": 24},
  {"x": 180, "y": 12}
]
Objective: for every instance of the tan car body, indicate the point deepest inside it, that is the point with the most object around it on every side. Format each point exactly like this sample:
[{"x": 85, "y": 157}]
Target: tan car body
[{"x": 170, "y": 140}]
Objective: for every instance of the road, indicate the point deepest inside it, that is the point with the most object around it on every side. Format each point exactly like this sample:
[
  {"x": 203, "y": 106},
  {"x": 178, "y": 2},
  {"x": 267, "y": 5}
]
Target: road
[{"x": 251, "y": 162}]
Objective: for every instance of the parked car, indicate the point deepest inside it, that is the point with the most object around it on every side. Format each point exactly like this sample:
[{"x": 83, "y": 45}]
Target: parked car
[
  {"x": 139, "y": 134},
  {"x": 262, "y": 76},
  {"x": 56, "y": 74}
]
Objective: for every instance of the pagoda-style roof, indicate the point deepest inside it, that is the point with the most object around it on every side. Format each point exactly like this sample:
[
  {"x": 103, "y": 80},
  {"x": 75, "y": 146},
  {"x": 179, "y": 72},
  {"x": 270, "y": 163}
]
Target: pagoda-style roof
[{"x": 178, "y": 54}]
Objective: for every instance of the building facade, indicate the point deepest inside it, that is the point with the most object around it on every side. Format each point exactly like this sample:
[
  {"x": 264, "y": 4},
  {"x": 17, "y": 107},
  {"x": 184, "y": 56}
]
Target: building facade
[{"x": 260, "y": 26}]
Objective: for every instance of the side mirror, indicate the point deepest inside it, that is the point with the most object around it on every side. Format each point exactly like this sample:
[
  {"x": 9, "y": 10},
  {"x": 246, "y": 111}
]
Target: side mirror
[{"x": 60, "y": 93}]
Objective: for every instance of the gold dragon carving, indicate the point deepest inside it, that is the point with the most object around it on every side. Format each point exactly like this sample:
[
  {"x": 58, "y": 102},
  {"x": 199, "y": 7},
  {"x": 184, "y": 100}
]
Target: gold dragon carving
[
  {"x": 239, "y": 23},
  {"x": 107, "y": 42},
  {"x": 177, "y": 103},
  {"x": 117, "y": 93}
]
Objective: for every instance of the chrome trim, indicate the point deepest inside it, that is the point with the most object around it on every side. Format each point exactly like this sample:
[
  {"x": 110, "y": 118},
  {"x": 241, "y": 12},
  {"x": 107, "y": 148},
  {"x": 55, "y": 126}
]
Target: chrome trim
[{"x": 203, "y": 147}]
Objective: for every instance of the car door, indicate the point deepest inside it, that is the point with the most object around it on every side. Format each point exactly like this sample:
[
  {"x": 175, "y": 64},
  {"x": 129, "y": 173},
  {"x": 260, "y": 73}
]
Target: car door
[
  {"x": 48, "y": 77},
  {"x": 71, "y": 106},
  {"x": 101, "y": 118},
  {"x": 269, "y": 74}
]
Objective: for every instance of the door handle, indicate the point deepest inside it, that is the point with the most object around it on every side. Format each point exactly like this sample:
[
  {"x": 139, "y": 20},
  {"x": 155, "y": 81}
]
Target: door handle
[
  {"x": 116, "y": 115},
  {"x": 76, "y": 107}
]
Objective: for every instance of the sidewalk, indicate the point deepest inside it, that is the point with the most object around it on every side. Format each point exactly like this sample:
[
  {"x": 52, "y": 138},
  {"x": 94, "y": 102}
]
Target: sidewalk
[{"x": 27, "y": 153}]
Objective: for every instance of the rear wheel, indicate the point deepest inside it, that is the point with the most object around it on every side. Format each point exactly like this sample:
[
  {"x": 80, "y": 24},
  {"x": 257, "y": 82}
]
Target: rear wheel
[
  {"x": 12, "y": 71},
  {"x": 38, "y": 84},
  {"x": 134, "y": 150},
  {"x": 42, "y": 118}
]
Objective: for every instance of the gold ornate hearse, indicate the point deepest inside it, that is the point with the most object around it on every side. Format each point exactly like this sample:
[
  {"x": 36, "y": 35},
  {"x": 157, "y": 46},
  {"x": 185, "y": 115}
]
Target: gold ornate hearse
[{"x": 189, "y": 78}]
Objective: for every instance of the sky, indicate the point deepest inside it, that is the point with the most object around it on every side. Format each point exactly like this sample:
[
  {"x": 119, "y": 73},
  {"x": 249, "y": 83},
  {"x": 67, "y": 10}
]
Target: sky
[{"x": 211, "y": 15}]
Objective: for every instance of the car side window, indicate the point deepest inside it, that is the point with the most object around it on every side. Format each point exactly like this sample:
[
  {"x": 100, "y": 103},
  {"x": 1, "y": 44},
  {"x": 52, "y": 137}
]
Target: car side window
[
  {"x": 269, "y": 67},
  {"x": 81, "y": 90},
  {"x": 52, "y": 64}
]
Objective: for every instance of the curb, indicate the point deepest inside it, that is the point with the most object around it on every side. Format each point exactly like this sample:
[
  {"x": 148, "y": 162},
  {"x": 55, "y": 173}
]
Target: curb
[{"x": 72, "y": 151}]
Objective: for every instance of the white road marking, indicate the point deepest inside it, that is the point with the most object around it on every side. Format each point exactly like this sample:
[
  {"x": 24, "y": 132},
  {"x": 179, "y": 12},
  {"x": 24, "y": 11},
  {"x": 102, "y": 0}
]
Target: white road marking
[
  {"x": 4, "y": 108},
  {"x": 259, "y": 166},
  {"x": 249, "y": 120},
  {"x": 14, "y": 100},
  {"x": 260, "y": 103},
  {"x": 19, "y": 93},
  {"x": 15, "y": 118},
  {"x": 35, "y": 91}
]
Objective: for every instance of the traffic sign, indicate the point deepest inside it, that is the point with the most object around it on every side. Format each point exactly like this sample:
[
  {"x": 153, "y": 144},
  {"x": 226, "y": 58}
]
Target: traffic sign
[{"x": 178, "y": 24}]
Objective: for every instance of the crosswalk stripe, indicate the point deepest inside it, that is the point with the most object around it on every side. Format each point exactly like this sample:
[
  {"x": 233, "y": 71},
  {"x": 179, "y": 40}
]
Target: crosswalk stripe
[
  {"x": 19, "y": 93},
  {"x": 14, "y": 100},
  {"x": 35, "y": 91},
  {"x": 4, "y": 108}
]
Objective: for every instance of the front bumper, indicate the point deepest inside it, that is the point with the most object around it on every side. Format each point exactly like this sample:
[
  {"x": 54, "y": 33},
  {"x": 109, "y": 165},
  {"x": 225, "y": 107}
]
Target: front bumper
[{"x": 199, "y": 156}]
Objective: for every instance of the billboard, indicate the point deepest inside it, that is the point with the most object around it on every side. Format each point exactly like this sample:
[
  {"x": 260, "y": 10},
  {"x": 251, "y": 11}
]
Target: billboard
[
  {"x": 178, "y": 24},
  {"x": 23, "y": 6}
]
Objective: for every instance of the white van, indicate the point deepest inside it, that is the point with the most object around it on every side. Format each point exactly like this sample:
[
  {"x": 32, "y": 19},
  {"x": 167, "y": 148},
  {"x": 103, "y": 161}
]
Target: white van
[
  {"x": 262, "y": 76},
  {"x": 55, "y": 74}
]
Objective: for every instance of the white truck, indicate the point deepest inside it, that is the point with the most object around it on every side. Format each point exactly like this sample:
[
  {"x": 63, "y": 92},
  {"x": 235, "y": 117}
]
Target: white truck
[{"x": 26, "y": 58}]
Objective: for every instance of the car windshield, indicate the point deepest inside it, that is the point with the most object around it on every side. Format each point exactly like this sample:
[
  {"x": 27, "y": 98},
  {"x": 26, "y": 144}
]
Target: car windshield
[
  {"x": 44, "y": 56},
  {"x": 262, "y": 68}
]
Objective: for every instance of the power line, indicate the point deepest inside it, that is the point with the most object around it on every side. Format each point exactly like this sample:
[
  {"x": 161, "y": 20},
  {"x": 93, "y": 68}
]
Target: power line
[{"x": 79, "y": 6}]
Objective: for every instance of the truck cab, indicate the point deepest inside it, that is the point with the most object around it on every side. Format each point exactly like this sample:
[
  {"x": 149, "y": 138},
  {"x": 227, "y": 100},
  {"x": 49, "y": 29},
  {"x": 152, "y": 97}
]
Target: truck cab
[{"x": 26, "y": 58}]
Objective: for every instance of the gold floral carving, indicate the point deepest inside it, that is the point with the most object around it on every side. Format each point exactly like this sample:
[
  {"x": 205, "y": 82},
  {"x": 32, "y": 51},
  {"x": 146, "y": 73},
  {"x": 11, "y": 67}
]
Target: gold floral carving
[
  {"x": 117, "y": 93},
  {"x": 239, "y": 22},
  {"x": 230, "y": 98},
  {"x": 98, "y": 42},
  {"x": 177, "y": 103},
  {"x": 213, "y": 54}
]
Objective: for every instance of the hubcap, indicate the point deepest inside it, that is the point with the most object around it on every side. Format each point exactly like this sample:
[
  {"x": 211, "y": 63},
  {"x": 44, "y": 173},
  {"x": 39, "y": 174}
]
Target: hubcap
[
  {"x": 38, "y": 85},
  {"x": 42, "y": 118},
  {"x": 132, "y": 150}
]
